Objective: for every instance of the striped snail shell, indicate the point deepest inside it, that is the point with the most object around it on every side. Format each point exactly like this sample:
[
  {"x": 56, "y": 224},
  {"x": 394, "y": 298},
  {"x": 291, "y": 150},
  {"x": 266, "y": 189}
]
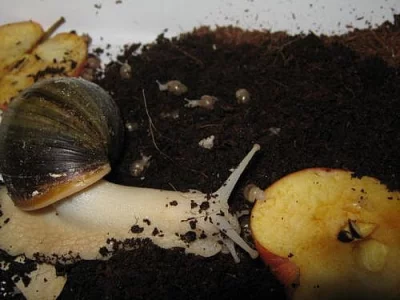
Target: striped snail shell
[{"x": 56, "y": 138}]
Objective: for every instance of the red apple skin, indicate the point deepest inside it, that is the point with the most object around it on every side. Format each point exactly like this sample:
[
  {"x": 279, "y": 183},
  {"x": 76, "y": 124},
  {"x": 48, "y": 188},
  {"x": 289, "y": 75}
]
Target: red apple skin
[{"x": 286, "y": 271}]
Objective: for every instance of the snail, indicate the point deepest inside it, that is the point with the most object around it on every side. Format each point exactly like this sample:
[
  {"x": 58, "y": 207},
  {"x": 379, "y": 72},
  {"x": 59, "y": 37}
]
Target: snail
[
  {"x": 58, "y": 139},
  {"x": 252, "y": 192},
  {"x": 174, "y": 87},
  {"x": 125, "y": 71},
  {"x": 206, "y": 101},
  {"x": 138, "y": 166}
]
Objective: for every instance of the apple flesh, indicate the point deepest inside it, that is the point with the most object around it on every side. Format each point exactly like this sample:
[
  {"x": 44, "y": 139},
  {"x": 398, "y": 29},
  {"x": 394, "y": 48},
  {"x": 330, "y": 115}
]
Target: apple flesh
[
  {"x": 64, "y": 55},
  {"x": 299, "y": 226},
  {"x": 17, "y": 39}
]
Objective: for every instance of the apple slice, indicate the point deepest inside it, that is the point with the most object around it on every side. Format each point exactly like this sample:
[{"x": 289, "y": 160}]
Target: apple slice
[
  {"x": 16, "y": 40},
  {"x": 328, "y": 235},
  {"x": 63, "y": 55}
]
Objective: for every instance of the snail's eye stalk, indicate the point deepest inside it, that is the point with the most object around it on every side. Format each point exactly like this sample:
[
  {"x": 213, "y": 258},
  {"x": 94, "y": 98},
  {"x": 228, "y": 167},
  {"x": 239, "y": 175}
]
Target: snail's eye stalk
[
  {"x": 226, "y": 190},
  {"x": 223, "y": 195}
]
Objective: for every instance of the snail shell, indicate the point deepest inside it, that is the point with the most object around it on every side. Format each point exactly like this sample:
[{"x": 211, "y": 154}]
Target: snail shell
[{"x": 56, "y": 138}]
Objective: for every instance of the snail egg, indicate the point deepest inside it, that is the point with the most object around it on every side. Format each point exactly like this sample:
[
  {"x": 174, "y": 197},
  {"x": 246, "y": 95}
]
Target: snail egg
[
  {"x": 242, "y": 96},
  {"x": 125, "y": 71},
  {"x": 131, "y": 126}
]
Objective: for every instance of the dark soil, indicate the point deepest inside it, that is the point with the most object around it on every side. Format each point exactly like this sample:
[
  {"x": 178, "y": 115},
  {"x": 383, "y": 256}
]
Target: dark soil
[{"x": 335, "y": 101}]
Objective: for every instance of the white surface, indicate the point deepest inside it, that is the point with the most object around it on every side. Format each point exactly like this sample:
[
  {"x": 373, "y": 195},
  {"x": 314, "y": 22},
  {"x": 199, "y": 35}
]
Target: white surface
[
  {"x": 137, "y": 20},
  {"x": 141, "y": 21}
]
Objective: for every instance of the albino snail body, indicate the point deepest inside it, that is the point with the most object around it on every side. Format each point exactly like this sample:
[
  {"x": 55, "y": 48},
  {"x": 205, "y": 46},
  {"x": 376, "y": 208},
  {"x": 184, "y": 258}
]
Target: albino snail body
[{"x": 82, "y": 223}]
